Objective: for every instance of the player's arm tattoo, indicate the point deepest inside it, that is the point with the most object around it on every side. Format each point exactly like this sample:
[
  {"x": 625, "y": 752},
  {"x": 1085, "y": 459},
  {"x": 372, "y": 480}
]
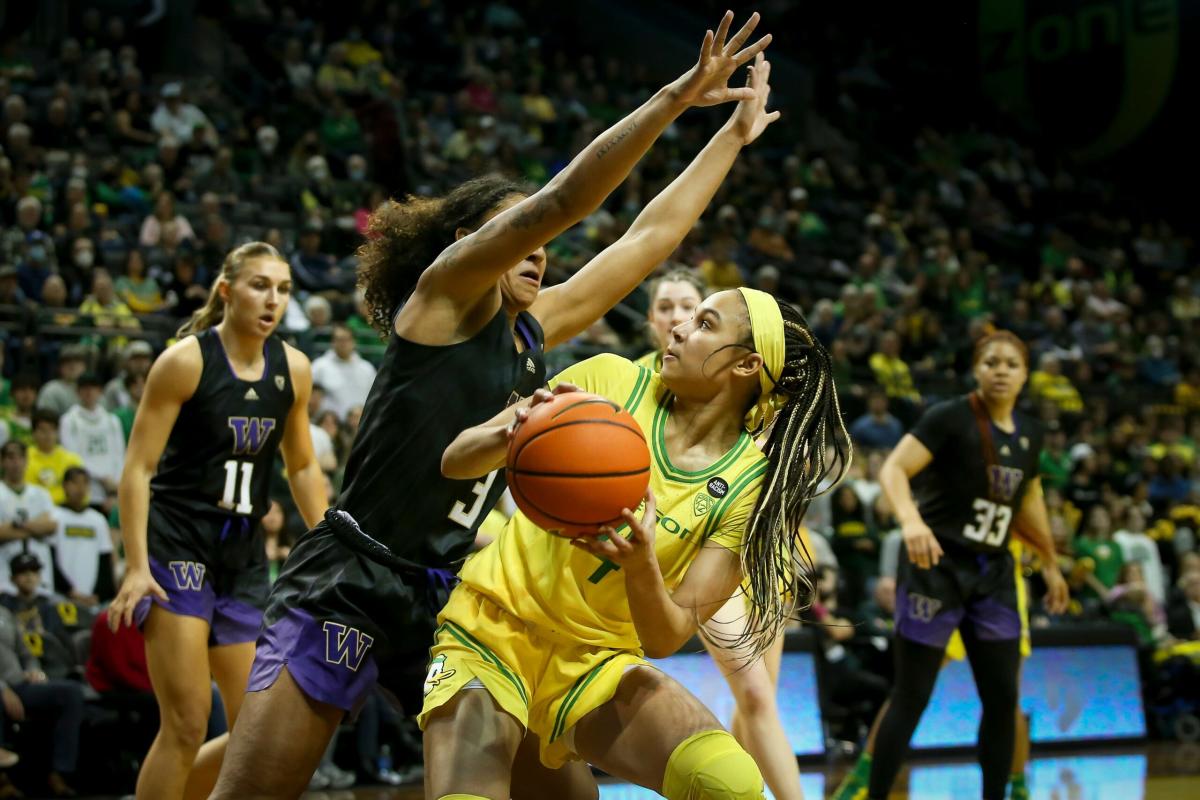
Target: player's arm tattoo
[
  {"x": 534, "y": 211},
  {"x": 607, "y": 147}
]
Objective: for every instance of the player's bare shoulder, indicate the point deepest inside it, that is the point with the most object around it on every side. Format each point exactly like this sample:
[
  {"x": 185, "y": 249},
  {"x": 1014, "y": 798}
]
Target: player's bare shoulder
[
  {"x": 300, "y": 371},
  {"x": 298, "y": 365},
  {"x": 176, "y": 372}
]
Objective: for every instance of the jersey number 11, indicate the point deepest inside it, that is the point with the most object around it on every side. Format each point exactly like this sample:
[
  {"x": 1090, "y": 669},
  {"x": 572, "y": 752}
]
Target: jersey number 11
[{"x": 241, "y": 504}]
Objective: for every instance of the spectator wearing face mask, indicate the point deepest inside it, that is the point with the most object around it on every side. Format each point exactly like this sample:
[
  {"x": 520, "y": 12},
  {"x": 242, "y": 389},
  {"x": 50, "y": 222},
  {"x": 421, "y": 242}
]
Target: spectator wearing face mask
[
  {"x": 79, "y": 272},
  {"x": 317, "y": 198},
  {"x": 267, "y": 158},
  {"x": 37, "y": 264}
]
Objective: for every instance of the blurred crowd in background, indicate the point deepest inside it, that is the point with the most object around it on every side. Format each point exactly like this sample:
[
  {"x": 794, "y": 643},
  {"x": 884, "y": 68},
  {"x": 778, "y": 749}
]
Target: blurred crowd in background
[{"x": 122, "y": 187}]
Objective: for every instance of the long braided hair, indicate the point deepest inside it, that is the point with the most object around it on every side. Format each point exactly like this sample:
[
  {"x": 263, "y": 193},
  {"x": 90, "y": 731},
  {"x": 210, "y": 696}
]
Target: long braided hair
[{"x": 808, "y": 452}]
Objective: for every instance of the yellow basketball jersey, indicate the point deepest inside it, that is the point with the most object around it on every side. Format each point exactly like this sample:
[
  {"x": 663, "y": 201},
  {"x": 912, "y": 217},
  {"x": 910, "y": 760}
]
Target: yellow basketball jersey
[
  {"x": 651, "y": 361},
  {"x": 565, "y": 594}
]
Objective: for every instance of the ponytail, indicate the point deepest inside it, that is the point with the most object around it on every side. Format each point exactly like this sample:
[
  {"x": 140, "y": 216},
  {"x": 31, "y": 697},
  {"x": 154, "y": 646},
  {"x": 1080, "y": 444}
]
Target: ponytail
[{"x": 213, "y": 311}]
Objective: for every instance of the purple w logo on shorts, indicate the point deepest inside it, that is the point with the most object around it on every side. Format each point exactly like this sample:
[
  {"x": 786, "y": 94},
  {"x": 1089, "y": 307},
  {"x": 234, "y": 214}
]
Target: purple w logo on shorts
[
  {"x": 345, "y": 645},
  {"x": 250, "y": 434},
  {"x": 189, "y": 575},
  {"x": 923, "y": 608}
]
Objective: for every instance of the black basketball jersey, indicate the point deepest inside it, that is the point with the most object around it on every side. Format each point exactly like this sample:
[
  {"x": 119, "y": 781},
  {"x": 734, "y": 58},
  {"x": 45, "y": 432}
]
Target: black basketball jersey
[
  {"x": 962, "y": 497},
  {"x": 422, "y": 398},
  {"x": 222, "y": 448}
]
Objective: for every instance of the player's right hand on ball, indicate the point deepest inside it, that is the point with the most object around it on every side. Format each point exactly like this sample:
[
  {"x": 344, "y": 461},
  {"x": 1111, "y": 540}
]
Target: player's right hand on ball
[
  {"x": 923, "y": 548},
  {"x": 138, "y": 583},
  {"x": 540, "y": 396}
]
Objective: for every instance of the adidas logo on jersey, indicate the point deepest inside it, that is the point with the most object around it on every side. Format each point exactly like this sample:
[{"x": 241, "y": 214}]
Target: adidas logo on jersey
[
  {"x": 529, "y": 365},
  {"x": 251, "y": 394}
]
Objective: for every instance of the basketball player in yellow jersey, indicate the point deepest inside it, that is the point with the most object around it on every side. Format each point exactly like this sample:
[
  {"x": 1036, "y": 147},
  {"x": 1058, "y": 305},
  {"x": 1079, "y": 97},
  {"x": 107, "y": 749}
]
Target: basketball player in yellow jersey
[
  {"x": 674, "y": 296},
  {"x": 546, "y": 639}
]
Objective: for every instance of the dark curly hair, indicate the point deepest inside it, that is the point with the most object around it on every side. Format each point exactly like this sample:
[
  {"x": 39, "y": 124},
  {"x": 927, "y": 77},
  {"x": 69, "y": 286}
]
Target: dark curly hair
[{"x": 404, "y": 237}]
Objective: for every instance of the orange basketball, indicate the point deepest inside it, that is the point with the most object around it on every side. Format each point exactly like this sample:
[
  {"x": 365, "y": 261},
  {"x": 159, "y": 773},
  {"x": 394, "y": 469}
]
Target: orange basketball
[{"x": 576, "y": 462}]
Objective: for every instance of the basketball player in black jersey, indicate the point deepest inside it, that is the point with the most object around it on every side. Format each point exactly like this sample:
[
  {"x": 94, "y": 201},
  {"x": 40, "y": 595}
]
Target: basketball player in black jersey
[
  {"x": 961, "y": 482},
  {"x": 455, "y": 283},
  {"x": 218, "y": 406}
]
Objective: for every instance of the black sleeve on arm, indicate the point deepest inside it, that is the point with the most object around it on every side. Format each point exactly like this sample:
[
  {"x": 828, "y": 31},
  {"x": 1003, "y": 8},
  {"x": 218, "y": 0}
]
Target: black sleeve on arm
[
  {"x": 105, "y": 588},
  {"x": 62, "y": 584},
  {"x": 937, "y": 425}
]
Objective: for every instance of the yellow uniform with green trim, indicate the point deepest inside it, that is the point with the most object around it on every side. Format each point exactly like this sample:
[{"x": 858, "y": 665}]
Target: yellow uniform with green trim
[
  {"x": 651, "y": 361},
  {"x": 956, "y": 651},
  {"x": 545, "y": 627}
]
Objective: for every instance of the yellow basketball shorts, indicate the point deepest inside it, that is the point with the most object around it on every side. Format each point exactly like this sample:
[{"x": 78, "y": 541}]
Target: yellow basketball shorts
[
  {"x": 547, "y": 686},
  {"x": 955, "y": 651}
]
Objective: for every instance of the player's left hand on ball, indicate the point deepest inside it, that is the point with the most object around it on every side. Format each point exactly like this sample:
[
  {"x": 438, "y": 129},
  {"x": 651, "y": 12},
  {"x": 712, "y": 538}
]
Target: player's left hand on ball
[
  {"x": 634, "y": 551},
  {"x": 1057, "y": 595}
]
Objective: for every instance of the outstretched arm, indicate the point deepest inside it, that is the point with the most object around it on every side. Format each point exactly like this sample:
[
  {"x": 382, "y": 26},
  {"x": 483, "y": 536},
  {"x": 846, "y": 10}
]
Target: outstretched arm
[
  {"x": 467, "y": 269},
  {"x": 568, "y": 309}
]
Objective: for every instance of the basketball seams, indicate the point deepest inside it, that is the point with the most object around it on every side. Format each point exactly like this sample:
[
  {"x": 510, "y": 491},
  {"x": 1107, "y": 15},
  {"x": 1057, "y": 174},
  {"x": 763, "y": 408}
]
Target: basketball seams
[
  {"x": 524, "y": 490},
  {"x": 597, "y": 401},
  {"x": 573, "y": 522},
  {"x": 543, "y": 474}
]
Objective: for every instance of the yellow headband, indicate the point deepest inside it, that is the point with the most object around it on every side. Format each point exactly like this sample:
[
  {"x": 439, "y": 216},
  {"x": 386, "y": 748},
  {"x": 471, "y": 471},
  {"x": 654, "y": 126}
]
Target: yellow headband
[{"x": 766, "y": 323}]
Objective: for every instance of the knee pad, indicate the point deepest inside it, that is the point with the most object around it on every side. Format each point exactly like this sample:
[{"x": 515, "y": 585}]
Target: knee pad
[{"x": 711, "y": 765}]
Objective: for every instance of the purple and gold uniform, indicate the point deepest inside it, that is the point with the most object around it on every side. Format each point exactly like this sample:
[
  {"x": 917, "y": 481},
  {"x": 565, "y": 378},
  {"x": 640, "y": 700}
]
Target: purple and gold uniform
[{"x": 211, "y": 489}]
